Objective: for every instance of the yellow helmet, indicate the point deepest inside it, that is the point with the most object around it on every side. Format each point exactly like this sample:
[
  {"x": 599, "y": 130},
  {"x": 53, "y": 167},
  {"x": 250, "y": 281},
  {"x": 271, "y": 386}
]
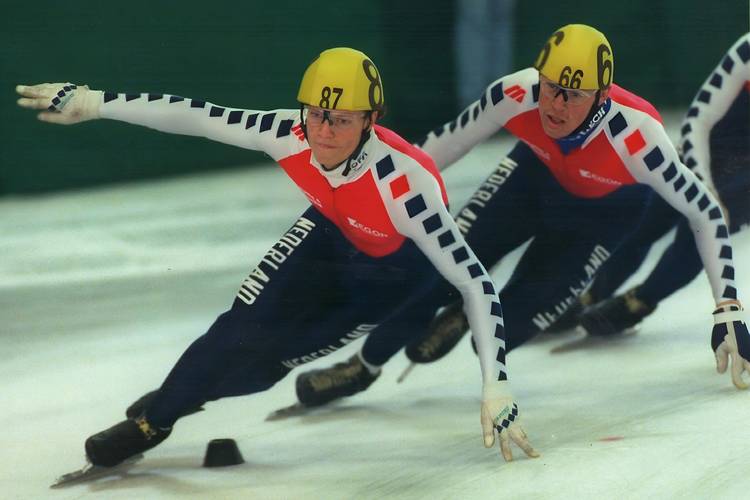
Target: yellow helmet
[
  {"x": 578, "y": 57},
  {"x": 342, "y": 78}
]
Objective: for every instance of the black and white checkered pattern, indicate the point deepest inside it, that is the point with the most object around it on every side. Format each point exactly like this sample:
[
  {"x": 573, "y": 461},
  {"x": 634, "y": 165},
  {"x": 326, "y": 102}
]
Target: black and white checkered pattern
[
  {"x": 504, "y": 423},
  {"x": 59, "y": 101}
]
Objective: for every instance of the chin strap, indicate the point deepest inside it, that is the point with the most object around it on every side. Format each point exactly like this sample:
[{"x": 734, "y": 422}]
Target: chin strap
[
  {"x": 595, "y": 106},
  {"x": 363, "y": 138}
]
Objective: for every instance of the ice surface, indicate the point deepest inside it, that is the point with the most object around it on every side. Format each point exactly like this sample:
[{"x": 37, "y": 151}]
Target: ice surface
[{"x": 101, "y": 291}]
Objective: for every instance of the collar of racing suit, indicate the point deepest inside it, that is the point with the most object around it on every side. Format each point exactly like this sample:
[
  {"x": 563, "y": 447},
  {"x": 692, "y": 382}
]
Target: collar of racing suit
[{"x": 589, "y": 124}]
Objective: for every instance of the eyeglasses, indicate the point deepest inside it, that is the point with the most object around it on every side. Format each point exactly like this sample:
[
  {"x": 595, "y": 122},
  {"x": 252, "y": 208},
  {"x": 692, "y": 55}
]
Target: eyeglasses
[
  {"x": 574, "y": 97},
  {"x": 337, "y": 120}
]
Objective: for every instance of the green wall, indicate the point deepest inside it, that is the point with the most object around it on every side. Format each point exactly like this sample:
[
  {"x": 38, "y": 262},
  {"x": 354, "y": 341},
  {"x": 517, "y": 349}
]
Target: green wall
[{"x": 252, "y": 54}]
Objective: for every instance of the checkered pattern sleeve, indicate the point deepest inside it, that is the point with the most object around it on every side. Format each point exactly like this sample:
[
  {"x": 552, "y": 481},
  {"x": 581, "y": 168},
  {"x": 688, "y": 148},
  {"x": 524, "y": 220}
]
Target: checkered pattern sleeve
[
  {"x": 501, "y": 101},
  {"x": 712, "y": 102},
  {"x": 649, "y": 156},
  {"x": 271, "y": 132},
  {"x": 418, "y": 212}
]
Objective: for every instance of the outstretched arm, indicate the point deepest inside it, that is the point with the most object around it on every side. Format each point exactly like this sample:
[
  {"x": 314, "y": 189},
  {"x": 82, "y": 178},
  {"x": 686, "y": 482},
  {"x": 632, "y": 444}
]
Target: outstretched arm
[
  {"x": 65, "y": 103},
  {"x": 502, "y": 100},
  {"x": 421, "y": 215},
  {"x": 656, "y": 163}
]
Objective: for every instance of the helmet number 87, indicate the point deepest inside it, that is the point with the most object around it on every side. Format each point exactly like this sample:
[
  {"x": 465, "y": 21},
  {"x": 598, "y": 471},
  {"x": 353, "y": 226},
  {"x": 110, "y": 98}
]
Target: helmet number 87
[{"x": 325, "y": 96}]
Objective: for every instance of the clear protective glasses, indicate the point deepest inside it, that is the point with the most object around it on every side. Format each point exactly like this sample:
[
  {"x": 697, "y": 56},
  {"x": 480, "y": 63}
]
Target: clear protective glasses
[
  {"x": 574, "y": 97},
  {"x": 337, "y": 120}
]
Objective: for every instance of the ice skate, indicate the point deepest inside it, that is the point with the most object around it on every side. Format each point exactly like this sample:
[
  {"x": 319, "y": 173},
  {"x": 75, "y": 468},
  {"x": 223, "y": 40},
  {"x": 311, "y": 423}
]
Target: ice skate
[
  {"x": 122, "y": 441},
  {"x": 444, "y": 332},
  {"x": 319, "y": 387},
  {"x": 569, "y": 319},
  {"x": 91, "y": 472},
  {"x": 615, "y": 315}
]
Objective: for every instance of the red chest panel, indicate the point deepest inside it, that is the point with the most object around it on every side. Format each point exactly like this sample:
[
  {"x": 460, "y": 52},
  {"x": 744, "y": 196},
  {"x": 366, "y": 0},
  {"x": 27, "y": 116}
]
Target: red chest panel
[
  {"x": 591, "y": 172},
  {"x": 355, "y": 207}
]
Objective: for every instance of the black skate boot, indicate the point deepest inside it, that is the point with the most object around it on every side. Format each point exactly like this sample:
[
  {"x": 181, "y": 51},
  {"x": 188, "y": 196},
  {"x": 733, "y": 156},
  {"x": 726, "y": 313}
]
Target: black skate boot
[
  {"x": 444, "y": 332},
  {"x": 137, "y": 409},
  {"x": 615, "y": 315},
  {"x": 569, "y": 319},
  {"x": 122, "y": 441},
  {"x": 318, "y": 387}
]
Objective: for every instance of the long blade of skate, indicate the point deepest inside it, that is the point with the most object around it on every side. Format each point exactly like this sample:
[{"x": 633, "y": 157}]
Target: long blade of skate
[
  {"x": 90, "y": 472},
  {"x": 584, "y": 341},
  {"x": 406, "y": 372},
  {"x": 294, "y": 410}
]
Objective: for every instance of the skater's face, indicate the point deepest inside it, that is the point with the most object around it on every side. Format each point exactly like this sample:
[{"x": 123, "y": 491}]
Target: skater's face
[
  {"x": 334, "y": 135},
  {"x": 563, "y": 110}
]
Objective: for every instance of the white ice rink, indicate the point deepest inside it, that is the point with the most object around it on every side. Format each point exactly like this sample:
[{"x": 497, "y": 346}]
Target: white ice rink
[{"x": 101, "y": 291}]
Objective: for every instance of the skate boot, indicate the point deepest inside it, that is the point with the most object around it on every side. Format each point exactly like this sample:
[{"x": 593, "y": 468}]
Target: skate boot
[
  {"x": 615, "y": 315},
  {"x": 122, "y": 441},
  {"x": 137, "y": 409},
  {"x": 318, "y": 387},
  {"x": 444, "y": 332},
  {"x": 569, "y": 319}
]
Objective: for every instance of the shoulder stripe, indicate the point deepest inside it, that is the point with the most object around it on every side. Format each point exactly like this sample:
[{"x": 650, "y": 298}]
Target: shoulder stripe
[
  {"x": 446, "y": 239},
  {"x": 460, "y": 254},
  {"x": 703, "y": 203},
  {"x": 617, "y": 124},
  {"x": 384, "y": 167},
  {"x": 285, "y": 126},
  {"x": 234, "y": 117},
  {"x": 474, "y": 270},
  {"x": 415, "y": 206},
  {"x": 654, "y": 158},
  {"x": 267, "y": 122},
  {"x": 635, "y": 142},
  {"x": 670, "y": 172},
  {"x": 399, "y": 186},
  {"x": 496, "y": 93},
  {"x": 432, "y": 223},
  {"x": 251, "y": 119},
  {"x": 727, "y": 64},
  {"x": 691, "y": 192},
  {"x": 679, "y": 183},
  {"x": 744, "y": 51}
]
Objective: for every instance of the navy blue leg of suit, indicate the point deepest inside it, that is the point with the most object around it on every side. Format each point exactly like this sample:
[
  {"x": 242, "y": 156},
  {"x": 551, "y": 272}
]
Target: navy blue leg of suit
[
  {"x": 659, "y": 219},
  {"x": 681, "y": 262},
  {"x": 303, "y": 304},
  {"x": 520, "y": 200}
]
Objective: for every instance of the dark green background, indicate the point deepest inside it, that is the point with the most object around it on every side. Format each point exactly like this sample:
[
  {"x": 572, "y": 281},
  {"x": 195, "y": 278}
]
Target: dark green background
[{"x": 252, "y": 55}]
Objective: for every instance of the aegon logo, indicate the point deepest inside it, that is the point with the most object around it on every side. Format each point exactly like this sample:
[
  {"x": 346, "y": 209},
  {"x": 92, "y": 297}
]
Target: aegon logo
[
  {"x": 599, "y": 178},
  {"x": 365, "y": 229}
]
